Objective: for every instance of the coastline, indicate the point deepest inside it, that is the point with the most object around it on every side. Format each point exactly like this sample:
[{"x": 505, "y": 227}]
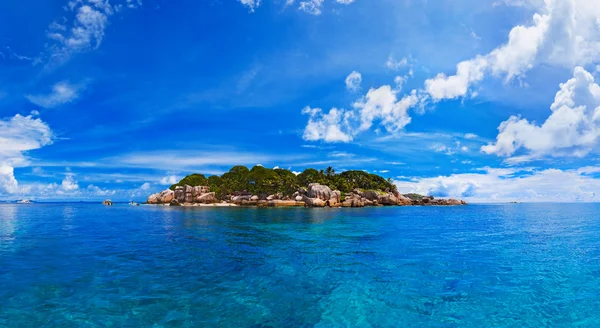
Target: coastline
[
  {"x": 315, "y": 196},
  {"x": 263, "y": 187}
]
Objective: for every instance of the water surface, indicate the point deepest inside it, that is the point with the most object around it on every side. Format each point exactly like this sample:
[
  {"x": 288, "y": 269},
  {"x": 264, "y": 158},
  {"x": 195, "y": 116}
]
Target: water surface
[{"x": 513, "y": 265}]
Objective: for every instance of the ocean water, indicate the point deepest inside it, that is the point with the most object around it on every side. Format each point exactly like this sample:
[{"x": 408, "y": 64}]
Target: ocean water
[{"x": 512, "y": 265}]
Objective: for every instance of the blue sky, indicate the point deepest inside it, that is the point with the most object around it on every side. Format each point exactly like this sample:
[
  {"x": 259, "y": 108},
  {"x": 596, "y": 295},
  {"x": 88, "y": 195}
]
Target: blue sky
[{"x": 482, "y": 100}]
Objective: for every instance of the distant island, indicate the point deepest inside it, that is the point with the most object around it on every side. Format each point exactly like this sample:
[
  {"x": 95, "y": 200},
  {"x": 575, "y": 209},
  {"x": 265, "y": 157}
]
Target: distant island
[{"x": 266, "y": 187}]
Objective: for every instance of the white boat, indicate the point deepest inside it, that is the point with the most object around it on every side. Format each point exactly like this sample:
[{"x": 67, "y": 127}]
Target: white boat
[{"x": 25, "y": 201}]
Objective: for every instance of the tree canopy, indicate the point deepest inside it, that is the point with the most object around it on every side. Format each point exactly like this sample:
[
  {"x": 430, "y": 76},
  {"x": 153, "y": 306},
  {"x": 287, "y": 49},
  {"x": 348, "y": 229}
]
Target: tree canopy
[{"x": 261, "y": 180}]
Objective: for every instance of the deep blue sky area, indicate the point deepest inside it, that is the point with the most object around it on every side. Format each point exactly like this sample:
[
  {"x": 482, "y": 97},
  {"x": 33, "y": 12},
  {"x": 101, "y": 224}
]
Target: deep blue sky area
[{"x": 483, "y": 100}]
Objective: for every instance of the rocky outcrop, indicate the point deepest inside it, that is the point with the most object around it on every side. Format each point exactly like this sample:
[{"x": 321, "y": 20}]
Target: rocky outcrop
[
  {"x": 107, "y": 202},
  {"x": 315, "y": 202},
  {"x": 164, "y": 197},
  {"x": 387, "y": 199},
  {"x": 207, "y": 198},
  {"x": 153, "y": 199},
  {"x": 371, "y": 195},
  {"x": 319, "y": 191},
  {"x": 316, "y": 195},
  {"x": 319, "y": 195},
  {"x": 183, "y": 194},
  {"x": 402, "y": 200}
]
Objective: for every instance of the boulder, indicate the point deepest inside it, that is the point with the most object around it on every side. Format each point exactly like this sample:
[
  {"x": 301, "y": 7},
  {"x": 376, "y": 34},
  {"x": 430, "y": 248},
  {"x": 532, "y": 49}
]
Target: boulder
[
  {"x": 241, "y": 199},
  {"x": 271, "y": 197},
  {"x": 370, "y": 195},
  {"x": 353, "y": 202},
  {"x": 315, "y": 202},
  {"x": 254, "y": 198},
  {"x": 284, "y": 203},
  {"x": 153, "y": 199},
  {"x": 319, "y": 191},
  {"x": 402, "y": 200},
  {"x": 299, "y": 198},
  {"x": 175, "y": 202},
  {"x": 302, "y": 191},
  {"x": 200, "y": 190},
  {"x": 166, "y": 196},
  {"x": 208, "y": 198},
  {"x": 107, "y": 202},
  {"x": 179, "y": 194},
  {"x": 387, "y": 199},
  {"x": 453, "y": 202},
  {"x": 336, "y": 195}
]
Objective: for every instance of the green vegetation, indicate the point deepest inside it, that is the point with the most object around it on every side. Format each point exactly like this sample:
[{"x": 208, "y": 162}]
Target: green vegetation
[
  {"x": 260, "y": 180},
  {"x": 414, "y": 196}
]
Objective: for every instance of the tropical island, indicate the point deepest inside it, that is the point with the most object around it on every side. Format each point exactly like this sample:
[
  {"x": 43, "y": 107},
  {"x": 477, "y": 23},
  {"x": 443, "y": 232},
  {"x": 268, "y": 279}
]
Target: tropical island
[{"x": 277, "y": 187}]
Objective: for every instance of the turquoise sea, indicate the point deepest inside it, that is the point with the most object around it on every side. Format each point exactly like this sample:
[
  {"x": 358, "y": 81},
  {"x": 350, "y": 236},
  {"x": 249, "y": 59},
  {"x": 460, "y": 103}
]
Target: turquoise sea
[{"x": 510, "y": 265}]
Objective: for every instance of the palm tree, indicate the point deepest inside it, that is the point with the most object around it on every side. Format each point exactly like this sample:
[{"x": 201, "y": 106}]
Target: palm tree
[{"x": 330, "y": 171}]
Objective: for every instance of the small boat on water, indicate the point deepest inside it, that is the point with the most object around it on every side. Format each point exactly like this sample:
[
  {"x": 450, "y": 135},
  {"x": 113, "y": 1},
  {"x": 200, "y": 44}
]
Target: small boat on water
[
  {"x": 24, "y": 201},
  {"x": 134, "y": 204}
]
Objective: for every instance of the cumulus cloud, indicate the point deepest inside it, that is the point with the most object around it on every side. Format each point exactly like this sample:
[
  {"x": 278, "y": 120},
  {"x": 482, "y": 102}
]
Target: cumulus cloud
[
  {"x": 69, "y": 183},
  {"x": 562, "y": 33},
  {"x": 501, "y": 185},
  {"x": 326, "y": 126},
  {"x": 169, "y": 180},
  {"x": 18, "y": 135},
  {"x": 572, "y": 129},
  {"x": 8, "y": 183},
  {"x": 62, "y": 93},
  {"x": 145, "y": 186},
  {"x": 353, "y": 81},
  {"x": 380, "y": 106}
]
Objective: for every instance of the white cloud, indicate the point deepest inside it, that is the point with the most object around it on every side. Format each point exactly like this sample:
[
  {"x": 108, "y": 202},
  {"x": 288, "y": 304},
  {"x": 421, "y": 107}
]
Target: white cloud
[
  {"x": 19, "y": 135},
  {"x": 86, "y": 31},
  {"x": 327, "y": 127},
  {"x": 69, "y": 183},
  {"x": 62, "y": 93},
  {"x": 252, "y": 4},
  {"x": 345, "y": 2},
  {"x": 471, "y": 136},
  {"x": 8, "y": 183},
  {"x": 312, "y": 7},
  {"x": 572, "y": 129},
  {"x": 562, "y": 33},
  {"x": 378, "y": 106},
  {"x": 353, "y": 81},
  {"x": 145, "y": 186},
  {"x": 399, "y": 81},
  {"x": 502, "y": 185},
  {"x": 395, "y": 65},
  {"x": 169, "y": 180},
  {"x": 383, "y": 104}
]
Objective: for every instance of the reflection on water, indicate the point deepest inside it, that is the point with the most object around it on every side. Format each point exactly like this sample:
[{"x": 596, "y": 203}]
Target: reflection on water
[
  {"x": 8, "y": 217},
  {"x": 68, "y": 214}
]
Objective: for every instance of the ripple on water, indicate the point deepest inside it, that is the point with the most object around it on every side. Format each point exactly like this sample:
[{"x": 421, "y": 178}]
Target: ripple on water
[{"x": 518, "y": 265}]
